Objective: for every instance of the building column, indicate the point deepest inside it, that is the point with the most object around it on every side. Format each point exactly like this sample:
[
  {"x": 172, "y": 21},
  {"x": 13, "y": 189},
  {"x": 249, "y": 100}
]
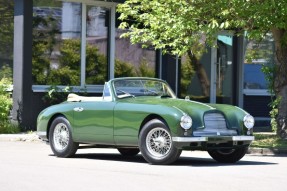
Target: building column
[
  {"x": 170, "y": 71},
  {"x": 22, "y": 64},
  {"x": 238, "y": 74}
]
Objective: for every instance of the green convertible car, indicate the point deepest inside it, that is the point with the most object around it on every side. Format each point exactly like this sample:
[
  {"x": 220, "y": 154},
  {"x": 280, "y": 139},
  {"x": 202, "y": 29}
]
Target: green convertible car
[{"x": 143, "y": 115}]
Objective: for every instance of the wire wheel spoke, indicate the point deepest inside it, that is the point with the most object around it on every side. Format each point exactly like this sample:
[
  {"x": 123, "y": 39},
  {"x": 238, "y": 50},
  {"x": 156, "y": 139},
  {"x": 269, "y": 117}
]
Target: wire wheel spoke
[
  {"x": 158, "y": 142},
  {"x": 61, "y": 136}
]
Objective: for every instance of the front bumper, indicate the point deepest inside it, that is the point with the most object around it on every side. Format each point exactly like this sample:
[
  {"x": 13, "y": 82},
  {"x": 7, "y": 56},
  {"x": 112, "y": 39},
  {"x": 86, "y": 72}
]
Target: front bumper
[{"x": 212, "y": 142}]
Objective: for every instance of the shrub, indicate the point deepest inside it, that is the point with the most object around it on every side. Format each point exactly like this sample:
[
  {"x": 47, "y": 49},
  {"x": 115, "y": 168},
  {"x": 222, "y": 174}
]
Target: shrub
[
  {"x": 5, "y": 107},
  {"x": 5, "y": 100}
]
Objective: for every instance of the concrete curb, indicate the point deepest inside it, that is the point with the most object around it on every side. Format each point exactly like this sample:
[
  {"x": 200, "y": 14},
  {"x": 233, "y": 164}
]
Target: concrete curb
[
  {"x": 19, "y": 137},
  {"x": 266, "y": 151},
  {"x": 34, "y": 138}
]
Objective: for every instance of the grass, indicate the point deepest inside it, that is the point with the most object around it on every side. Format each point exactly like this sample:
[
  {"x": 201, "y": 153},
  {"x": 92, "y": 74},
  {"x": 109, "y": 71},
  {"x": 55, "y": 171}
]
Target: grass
[{"x": 269, "y": 140}]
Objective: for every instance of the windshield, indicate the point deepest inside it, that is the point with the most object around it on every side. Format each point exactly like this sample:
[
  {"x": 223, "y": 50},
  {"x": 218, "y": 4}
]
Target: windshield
[{"x": 142, "y": 87}]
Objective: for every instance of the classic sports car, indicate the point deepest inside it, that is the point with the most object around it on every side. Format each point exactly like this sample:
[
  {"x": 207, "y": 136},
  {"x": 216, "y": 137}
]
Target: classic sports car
[{"x": 143, "y": 115}]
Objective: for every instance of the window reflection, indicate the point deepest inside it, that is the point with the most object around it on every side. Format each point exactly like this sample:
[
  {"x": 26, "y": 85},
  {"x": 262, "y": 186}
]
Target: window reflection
[
  {"x": 257, "y": 55},
  {"x": 6, "y": 39},
  {"x": 56, "y": 43},
  {"x": 132, "y": 59},
  {"x": 96, "y": 45}
]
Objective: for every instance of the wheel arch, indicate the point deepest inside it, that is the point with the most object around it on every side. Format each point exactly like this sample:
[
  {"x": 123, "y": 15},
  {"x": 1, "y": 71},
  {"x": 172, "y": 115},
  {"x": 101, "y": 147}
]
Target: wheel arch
[{"x": 151, "y": 117}]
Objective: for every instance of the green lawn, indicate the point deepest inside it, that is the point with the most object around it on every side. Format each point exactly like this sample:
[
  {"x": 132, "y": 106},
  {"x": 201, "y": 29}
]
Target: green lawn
[{"x": 268, "y": 140}]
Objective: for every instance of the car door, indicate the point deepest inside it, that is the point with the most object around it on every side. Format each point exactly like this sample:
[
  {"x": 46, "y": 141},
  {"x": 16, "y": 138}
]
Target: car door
[{"x": 93, "y": 122}]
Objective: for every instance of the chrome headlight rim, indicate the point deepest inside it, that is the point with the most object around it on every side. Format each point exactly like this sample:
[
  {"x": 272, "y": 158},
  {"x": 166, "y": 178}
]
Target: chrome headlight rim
[
  {"x": 186, "y": 122},
  {"x": 249, "y": 121}
]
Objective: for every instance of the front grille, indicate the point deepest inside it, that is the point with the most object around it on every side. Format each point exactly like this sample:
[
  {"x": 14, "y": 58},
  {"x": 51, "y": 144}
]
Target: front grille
[
  {"x": 214, "y": 125},
  {"x": 214, "y": 121}
]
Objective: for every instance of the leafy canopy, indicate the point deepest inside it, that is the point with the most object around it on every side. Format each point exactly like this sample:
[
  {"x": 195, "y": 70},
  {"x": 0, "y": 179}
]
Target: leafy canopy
[{"x": 178, "y": 26}]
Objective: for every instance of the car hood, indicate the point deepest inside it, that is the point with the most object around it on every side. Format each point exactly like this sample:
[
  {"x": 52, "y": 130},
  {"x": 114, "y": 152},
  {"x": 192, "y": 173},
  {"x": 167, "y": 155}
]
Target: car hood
[
  {"x": 184, "y": 105},
  {"x": 190, "y": 107}
]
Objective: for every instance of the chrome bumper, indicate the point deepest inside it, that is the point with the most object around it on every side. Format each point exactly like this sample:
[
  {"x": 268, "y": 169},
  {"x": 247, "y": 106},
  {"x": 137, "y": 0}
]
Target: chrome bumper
[{"x": 212, "y": 139}]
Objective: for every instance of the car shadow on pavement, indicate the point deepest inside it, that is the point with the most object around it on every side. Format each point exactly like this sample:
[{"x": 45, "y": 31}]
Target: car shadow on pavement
[
  {"x": 182, "y": 161},
  {"x": 111, "y": 157},
  {"x": 209, "y": 162}
]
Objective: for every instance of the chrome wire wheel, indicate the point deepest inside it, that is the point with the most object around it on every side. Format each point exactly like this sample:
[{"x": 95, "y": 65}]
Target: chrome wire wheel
[
  {"x": 158, "y": 142},
  {"x": 61, "y": 137}
]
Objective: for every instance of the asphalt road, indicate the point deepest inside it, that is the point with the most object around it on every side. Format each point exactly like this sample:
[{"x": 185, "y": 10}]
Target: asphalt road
[{"x": 29, "y": 166}]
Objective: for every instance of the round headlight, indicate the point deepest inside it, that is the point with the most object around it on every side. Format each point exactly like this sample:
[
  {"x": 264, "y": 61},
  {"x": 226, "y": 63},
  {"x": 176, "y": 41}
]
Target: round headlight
[
  {"x": 186, "y": 122},
  {"x": 248, "y": 121}
]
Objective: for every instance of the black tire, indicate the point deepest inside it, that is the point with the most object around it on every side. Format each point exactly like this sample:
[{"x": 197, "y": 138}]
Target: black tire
[
  {"x": 228, "y": 155},
  {"x": 129, "y": 152},
  {"x": 155, "y": 143},
  {"x": 60, "y": 138}
]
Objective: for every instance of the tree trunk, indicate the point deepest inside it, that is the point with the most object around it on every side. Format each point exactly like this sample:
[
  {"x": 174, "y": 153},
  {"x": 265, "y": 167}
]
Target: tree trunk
[
  {"x": 280, "y": 80},
  {"x": 201, "y": 74}
]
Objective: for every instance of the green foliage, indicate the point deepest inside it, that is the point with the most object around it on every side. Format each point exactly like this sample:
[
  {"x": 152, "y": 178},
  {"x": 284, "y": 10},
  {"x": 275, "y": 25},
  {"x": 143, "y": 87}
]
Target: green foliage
[
  {"x": 56, "y": 94},
  {"x": 184, "y": 26},
  {"x": 5, "y": 102},
  {"x": 145, "y": 70},
  {"x": 178, "y": 25},
  {"x": 6, "y": 29},
  {"x": 187, "y": 72},
  {"x": 124, "y": 69},
  {"x": 274, "y": 113},
  {"x": 43, "y": 44},
  {"x": 8, "y": 128},
  {"x": 46, "y": 3},
  {"x": 6, "y": 72},
  {"x": 270, "y": 72},
  {"x": 96, "y": 66},
  {"x": 263, "y": 49}
]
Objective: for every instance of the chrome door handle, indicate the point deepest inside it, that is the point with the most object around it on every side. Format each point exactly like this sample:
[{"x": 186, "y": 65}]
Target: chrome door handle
[{"x": 78, "y": 109}]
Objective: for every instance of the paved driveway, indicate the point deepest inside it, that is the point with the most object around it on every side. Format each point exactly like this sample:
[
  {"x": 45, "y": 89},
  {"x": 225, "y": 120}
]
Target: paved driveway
[{"x": 32, "y": 166}]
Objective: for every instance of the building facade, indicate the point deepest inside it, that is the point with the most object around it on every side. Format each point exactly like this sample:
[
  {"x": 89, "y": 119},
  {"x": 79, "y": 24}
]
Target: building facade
[{"x": 76, "y": 44}]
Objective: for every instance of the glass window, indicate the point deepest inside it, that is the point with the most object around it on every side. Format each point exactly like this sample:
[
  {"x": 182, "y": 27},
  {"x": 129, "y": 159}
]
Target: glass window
[
  {"x": 6, "y": 39},
  {"x": 106, "y": 93},
  {"x": 56, "y": 43},
  {"x": 96, "y": 45},
  {"x": 141, "y": 87},
  {"x": 257, "y": 55},
  {"x": 133, "y": 60}
]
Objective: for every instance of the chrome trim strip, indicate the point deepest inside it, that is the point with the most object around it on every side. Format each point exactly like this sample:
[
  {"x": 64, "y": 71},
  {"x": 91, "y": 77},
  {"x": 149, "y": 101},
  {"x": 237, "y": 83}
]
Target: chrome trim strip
[
  {"x": 189, "y": 139},
  {"x": 243, "y": 138}
]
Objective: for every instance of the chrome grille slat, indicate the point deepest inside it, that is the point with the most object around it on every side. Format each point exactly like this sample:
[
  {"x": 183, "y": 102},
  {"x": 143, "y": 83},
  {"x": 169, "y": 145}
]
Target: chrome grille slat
[
  {"x": 214, "y": 121},
  {"x": 214, "y": 125}
]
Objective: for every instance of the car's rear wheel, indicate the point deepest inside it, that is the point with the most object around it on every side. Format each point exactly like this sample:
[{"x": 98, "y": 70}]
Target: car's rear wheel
[
  {"x": 60, "y": 138},
  {"x": 155, "y": 143},
  {"x": 228, "y": 155},
  {"x": 129, "y": 151}
]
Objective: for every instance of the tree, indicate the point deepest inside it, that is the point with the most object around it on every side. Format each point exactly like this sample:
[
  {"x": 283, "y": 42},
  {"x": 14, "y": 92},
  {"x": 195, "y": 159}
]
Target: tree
[{"x": 188, "y": 26}]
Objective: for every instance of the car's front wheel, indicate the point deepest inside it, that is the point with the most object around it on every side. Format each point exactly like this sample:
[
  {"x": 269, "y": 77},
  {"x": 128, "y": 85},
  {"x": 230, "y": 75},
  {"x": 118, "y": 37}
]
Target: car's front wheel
[
  {"x": 155, "y": 143},
  {"x": 60, "y": 138},
  {"x": 228, "y": 155}
]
